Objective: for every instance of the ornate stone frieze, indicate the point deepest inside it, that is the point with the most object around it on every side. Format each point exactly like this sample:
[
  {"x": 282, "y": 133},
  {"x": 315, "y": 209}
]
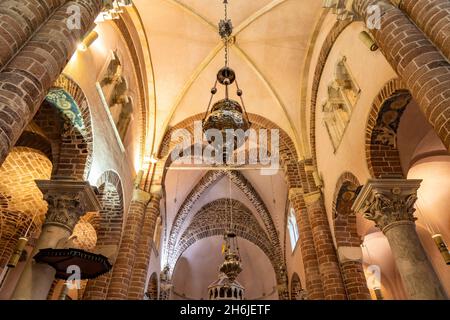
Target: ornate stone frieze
[{"x": 387, "y": 201}]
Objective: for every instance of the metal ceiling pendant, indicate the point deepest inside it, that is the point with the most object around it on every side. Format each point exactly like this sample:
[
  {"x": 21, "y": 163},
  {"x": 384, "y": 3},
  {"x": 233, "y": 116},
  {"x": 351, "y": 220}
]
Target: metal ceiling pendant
[
  {"x": 226, "y": 115},
  {"x": 226, "y": 287},
  {"x": 231, "y": 267}
]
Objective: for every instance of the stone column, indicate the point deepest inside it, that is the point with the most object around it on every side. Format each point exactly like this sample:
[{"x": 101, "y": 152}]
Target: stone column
[
  {"x": 313, "y": 283},
  {"x": 123, "y": 267},
  {"x": 330, "y": 273},
  {"x": 26, "y": 79},
  {"x": 352, "y": 272},
  {"x": 140, "y": 269},
  {"x": 421, "y": 66},
  {"x": 432, "y": 17},
  {"x": 390, "y": 203},
  {"x": 67, "y": 202}
]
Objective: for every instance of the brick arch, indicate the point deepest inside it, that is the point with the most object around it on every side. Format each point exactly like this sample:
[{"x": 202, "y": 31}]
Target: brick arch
[
  {"x": 185, "y": 212},
  {"x": 346, "y": 236},
  {"x": 35, "y": 141},
  {"x": 22, "y": 205},
  {"x": 152, "y": 287},
  {"x": 214, "y": 218},
  {"x": 296, "y": 287},
  {"x": 288, "y": 152},
  {"x": 381, "y": 132},
  {"x": 85, "y": 147},
  {"x": 109, "y": 229},
  {"x": 343, "y": 217}
]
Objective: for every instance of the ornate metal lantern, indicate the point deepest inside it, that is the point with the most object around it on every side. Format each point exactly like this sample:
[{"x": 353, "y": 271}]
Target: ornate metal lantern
[
  {"x": 231, "y": 267},
  {"x": 226, "y": 114},
  {"x": 226, "y": 287}
]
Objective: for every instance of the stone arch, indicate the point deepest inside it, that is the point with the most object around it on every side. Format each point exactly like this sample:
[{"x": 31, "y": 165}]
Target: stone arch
[
  {"x": 213, "y": 220},
  {"x": 296, "y": 288},
  {"x": 185, "y": 213},
  {"x": 152, "y": 287},
  {"x": 348, "y": 241},
  {"x": 381, "y": 131},
  {"x": 109, "y": 229}
]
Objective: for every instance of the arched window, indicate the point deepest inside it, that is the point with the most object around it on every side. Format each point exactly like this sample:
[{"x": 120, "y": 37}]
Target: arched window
[{"x": 293, "y": 228}]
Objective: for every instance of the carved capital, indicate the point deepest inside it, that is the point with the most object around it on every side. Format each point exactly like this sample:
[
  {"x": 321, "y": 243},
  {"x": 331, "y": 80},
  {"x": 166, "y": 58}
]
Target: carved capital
[
  {"x": 388, "y": 201},
  {"x": 67, "y": 201},
  {"x": 294, "y": 192}
]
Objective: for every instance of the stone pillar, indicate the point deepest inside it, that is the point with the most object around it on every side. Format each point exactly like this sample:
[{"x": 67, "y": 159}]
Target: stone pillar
[
  {"x": 141, "y": 263},
  {"x": 421, "y": 66},
  {"x": 123, "y": 267},
  {"x": 313, "y": 282},
  {"x": 26, "y": 79},
  {"x": 67, "y": 202},
  {"x": 390, "y": 203},
  {"x": 352, "y": 272},
  {"x": 432, "y": 17},
  {"x": 18, "y": 20},
  {"x": 333, "y": 286}
]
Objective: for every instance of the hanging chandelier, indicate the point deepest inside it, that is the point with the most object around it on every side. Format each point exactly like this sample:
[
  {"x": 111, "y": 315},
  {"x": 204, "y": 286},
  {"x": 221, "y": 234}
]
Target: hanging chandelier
[
  {"x": 226, "y": 115},
  {"x": 231, "y": 267},
  {"x": 226, "y": 287}
]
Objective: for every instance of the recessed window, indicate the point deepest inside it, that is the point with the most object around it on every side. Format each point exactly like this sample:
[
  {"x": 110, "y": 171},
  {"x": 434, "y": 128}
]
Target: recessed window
[{"x": 293, "y": 228}]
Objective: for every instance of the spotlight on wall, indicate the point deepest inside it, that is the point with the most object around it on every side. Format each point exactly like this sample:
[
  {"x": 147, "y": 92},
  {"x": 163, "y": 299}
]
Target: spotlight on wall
[
  {"x": 18, "y": 250},
  {"x": 442, "y": 247},
  {"x": 90, "y": 38},
  {"x": 368, "y": 41}
]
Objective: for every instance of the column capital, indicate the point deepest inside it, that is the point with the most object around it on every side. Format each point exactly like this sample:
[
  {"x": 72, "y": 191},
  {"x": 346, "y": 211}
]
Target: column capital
[
  {"x": 312, "y": 197},
  {"x": 388, "y": 201},
  {"x": 67, "y": 201},
  {"x": 141, "y": 196},
  {"x": 293, "y": 192}
]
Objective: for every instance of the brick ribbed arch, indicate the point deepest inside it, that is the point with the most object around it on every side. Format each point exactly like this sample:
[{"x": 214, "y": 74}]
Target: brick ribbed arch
[
  {"x": 288, "y": 153},
  {"x": 185, "y": 213},
  {"x": 214, "y": 219}
]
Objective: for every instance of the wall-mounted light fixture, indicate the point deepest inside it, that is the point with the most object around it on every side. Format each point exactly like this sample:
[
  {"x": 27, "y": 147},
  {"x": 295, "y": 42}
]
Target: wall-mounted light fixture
[
  {"x": 366, "y": 38},
  {"x": 88, "y": 40},
  {"x": 442, "y": 246}
]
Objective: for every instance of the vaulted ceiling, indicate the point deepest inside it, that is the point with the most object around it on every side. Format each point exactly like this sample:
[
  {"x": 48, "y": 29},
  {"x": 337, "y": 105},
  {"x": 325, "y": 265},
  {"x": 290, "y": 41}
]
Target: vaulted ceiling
[{"x": 272, "y": 39}]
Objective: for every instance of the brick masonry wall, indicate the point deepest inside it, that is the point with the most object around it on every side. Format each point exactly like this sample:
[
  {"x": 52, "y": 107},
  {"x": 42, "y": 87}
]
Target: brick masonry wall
[
  {"x": 433, "y": 18},
  {"x": 26, "y": 79},
  {"x": 421, "y": 66}
]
